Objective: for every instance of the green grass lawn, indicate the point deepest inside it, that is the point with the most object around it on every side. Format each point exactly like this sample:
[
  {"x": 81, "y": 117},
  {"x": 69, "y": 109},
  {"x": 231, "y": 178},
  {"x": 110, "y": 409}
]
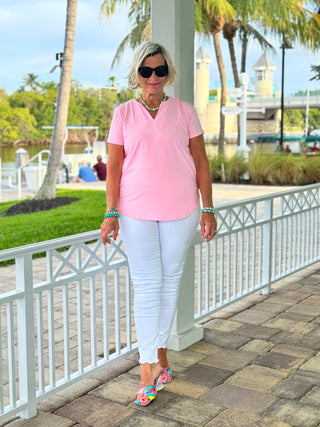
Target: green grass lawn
[{"x": 83, "y": 215}]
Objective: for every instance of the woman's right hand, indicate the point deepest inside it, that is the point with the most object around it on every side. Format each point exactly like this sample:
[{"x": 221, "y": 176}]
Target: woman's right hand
[{"x": 109, "y": 225}]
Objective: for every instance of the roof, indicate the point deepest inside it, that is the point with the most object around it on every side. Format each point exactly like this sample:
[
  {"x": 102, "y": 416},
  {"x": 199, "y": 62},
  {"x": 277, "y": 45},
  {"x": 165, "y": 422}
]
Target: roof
[
  {"x": 263, "y": 63},
  {"x": 202, "y": 56}
]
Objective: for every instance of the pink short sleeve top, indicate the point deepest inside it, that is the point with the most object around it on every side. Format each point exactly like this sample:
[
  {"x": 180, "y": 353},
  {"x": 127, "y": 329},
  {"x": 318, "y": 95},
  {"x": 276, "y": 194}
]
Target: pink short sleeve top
[{"x": 158, "y": 179}]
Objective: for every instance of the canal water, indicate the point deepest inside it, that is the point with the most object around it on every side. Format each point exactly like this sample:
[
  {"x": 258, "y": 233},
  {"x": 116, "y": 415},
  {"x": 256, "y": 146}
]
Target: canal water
[{"x": 7, "y": 155}]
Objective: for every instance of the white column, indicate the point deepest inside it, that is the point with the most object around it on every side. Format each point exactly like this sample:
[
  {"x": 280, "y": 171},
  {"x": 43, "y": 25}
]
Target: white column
[
  {"x": 172, "y": 24},
  {"x": 184, "y": 331}
]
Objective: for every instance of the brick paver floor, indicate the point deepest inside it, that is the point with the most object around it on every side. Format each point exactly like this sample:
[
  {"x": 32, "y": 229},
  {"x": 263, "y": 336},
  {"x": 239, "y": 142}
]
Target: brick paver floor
[{"x": 258, "y": 365}]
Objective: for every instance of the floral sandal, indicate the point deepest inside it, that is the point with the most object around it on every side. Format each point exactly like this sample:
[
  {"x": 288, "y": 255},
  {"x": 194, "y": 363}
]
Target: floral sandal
[
  {"x": 147, "y": 394},
  {"x": 166, "y": 375}
]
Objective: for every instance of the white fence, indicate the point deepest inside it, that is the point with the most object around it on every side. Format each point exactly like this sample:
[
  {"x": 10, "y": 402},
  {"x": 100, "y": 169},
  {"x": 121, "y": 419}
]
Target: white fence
[{"x": 69, "y": 312}]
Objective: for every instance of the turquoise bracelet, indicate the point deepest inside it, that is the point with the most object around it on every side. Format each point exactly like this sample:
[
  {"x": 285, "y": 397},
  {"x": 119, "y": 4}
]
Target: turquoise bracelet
[
  {"x": 112, "y": 212},
  {"x": 211, "y": 210},
  {"x": 107, "y": 215}
]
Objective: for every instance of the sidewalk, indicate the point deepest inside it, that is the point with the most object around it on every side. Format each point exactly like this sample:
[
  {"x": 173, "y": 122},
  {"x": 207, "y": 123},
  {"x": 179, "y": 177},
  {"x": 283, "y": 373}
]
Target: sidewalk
[
  {"x": 258, "y": 365},
  {"x": 222, "y": 193}
]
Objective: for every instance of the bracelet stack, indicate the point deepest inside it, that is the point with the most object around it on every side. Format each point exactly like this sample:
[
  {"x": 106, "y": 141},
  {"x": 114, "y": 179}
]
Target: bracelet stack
[
  {"x": 211, "y": 210},
  {"x": 112, "y": 212}
]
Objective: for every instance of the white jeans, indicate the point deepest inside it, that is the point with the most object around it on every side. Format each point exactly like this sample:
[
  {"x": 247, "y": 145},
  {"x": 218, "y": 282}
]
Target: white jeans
[{"x": 156, "y": 252}]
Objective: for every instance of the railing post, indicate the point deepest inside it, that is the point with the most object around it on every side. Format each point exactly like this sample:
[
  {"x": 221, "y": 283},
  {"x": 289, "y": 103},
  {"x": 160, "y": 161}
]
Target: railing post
[
  {"x": 26, "y": 341},
  {"x": 184, "y": 331},
  {"x": 267, "y": 246},
  {"x": 19, "y": 183},
  {"x": 39, "y": 170}
]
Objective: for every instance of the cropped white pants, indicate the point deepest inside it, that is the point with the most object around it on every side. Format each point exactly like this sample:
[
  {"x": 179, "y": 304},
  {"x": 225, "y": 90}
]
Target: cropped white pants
[{"x": 156, "y": 251}]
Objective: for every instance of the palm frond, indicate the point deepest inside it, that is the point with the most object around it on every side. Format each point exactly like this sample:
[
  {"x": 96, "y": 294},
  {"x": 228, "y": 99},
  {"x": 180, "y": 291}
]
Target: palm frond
[
  {"x": 108, "y": 7},
  {"x": 132, "y": 40},
  {"x": 248, "y": 31}
]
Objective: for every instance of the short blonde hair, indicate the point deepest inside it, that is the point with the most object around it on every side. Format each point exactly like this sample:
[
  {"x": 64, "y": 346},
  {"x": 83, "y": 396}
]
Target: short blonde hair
[{"x": 144, "y": 51}]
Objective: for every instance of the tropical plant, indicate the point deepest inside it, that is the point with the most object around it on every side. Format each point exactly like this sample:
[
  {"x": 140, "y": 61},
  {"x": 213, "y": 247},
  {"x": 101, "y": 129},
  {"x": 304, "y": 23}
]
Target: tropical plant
[
  {"x": 231, "y": 17},
  {"x": 315, "y": 69},
  {"x": 48, "y": 188},
  {"x": 214, "y": 14},
  {"x": 30, "y": 80},
  {"x": 139, "y": 16}
]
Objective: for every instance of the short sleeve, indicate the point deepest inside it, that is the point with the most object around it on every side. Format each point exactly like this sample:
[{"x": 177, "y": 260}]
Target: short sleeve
[
  {"x": 116, "y": 129},
  {"x": 194, "y": 125}
]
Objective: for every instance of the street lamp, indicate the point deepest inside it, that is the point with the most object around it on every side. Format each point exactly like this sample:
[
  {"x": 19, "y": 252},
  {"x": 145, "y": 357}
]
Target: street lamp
[{"x": 285, "y": 45}]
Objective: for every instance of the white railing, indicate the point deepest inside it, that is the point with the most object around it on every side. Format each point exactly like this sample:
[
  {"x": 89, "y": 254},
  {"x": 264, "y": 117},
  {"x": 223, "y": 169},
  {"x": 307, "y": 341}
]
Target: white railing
[
  {"x": 289, "y": 101},
  {"x": 68, "y": 313},
  {"x": 17, "y": 174}
]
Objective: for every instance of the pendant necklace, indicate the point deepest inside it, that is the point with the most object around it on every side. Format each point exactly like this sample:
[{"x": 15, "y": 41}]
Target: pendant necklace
[{"x": 165, "y": 97}]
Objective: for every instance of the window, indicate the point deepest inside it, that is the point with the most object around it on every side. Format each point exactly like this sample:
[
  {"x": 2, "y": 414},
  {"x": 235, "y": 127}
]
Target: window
[{"x": 260, "y": 74}]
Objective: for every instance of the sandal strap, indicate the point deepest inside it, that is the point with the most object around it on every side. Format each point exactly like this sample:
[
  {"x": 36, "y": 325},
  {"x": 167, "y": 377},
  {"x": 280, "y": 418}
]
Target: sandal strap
[{"x": 149, "y": 391}]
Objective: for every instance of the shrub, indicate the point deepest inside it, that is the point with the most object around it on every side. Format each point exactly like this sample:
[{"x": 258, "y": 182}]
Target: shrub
[
  {"x": 215, "y": 167},
  {"x": 310, "y": 170},
  {"x": 259, "y": 167},
  {"x": 285, "y": 170},
  {"x": 267, "y": 168},
  {"x": 235, "y": 168}
]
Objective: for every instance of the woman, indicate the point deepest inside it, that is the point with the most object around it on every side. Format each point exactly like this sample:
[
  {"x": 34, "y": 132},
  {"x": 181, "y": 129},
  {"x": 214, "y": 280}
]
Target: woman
[{"x": 157, "y": 165}]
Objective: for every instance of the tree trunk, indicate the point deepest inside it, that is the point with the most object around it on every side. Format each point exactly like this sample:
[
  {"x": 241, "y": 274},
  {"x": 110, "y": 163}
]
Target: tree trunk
[
  {"x": 236, "y": 79},
  {"x": 48, "y": 188},
  {"x": 223, "y": 78},
  {"x": 244, "y": 53},
  {"x": 234, "y": 63}
]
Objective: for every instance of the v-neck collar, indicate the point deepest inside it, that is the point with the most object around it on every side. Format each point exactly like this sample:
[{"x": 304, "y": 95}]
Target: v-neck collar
[{"x": 163, "y": 105}]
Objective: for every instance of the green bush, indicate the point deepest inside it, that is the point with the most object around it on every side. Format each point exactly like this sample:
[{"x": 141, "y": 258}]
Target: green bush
[
  {"x": 285, "y": 170},
  {"x": 235, "y": 167},
  {"x": 267, "y": 168},
  {"x": 215, "y": 167},
  {"x": 259, "y": 167},
  {"x": 310, "y": 170}
]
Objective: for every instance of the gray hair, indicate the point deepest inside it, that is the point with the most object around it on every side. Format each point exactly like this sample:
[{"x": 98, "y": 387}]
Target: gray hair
[{"x": 144, "y": 51}]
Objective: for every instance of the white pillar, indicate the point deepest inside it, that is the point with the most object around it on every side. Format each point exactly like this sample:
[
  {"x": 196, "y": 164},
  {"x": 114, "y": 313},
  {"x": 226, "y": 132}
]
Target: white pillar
[
  {"x": 184, "y": 331},
  {"x": 172, "y": 24}
]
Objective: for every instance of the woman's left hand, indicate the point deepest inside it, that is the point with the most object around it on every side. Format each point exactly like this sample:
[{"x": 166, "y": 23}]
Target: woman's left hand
[{"x": 208, "y": 225}]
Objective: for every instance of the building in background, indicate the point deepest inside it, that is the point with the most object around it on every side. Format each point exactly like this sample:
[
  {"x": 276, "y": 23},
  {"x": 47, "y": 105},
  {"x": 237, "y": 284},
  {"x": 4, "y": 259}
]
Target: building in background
[{"x": 209, "y": 109}]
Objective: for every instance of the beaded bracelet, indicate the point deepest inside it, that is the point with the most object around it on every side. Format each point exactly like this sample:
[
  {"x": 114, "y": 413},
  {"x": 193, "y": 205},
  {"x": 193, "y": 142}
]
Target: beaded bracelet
[
  {"x": 112, "y": 212},
  {"x": 211, "y": 210}
]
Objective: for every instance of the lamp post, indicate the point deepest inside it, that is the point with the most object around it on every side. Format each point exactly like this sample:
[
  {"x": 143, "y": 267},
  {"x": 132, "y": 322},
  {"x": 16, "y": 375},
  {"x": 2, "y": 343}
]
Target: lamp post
[{"x": 285, "y": 45}]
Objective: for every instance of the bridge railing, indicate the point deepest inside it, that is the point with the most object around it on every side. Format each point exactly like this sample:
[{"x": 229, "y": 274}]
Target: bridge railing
[
  {"x": 66, "y": 304},
  {"x": 275, "y": 100},
  {"x": 288, "y": 100}
]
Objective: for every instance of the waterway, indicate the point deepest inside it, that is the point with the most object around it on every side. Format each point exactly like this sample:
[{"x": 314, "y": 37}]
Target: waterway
[{"x": 7, "y": 155}]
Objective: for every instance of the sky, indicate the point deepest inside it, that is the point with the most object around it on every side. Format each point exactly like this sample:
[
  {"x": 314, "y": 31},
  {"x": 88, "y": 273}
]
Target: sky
[{"x": 32, "y": 32}]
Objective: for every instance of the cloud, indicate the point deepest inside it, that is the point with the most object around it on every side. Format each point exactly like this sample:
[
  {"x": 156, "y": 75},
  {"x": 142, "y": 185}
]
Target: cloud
[{"x": 34, "y": 33}]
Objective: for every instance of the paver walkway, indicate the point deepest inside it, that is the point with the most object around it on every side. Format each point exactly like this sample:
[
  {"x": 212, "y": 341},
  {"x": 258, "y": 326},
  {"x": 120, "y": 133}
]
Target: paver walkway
[{"x": 258, "y": 365}]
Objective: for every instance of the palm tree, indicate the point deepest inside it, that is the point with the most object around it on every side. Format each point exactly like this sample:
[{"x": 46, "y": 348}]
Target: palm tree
[
  {"x": 30, "y": 80},
  {"x": 231, "y": 17},
  {"x": 210, "y": 16},
  {"x": 48, "y": 188},
  {"x": 139, "y": 16},
  {"x": 315, "y": 69},
  {"x": 215, "y": 13}
]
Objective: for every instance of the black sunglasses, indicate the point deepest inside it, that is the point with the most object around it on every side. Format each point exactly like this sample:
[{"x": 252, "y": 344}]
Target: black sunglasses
[{"x": 146, "y": 72}]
